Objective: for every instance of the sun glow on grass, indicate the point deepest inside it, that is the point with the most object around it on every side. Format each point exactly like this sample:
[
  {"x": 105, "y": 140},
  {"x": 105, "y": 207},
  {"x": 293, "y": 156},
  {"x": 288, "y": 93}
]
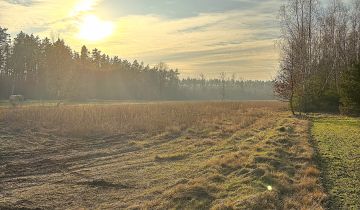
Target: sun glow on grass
[{"x": 94, "y": 29}]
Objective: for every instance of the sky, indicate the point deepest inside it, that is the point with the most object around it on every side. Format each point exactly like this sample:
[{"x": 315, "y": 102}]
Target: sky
[{"x": 196, "y": 36}]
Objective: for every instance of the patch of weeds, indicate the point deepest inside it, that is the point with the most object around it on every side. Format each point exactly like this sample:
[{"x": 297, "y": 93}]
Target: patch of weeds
[
  {"x": 217, "y": 178},
  {"x": 206, "y": 142},
  {"x": 285, "y": 129},
  {"x": 262, "y": 159},
  {"x": 282, "y": 129},
  {"x": 193, "y": 195},
  {"x": 261, "y": 201},
  {"x": 242, "y": 171},
  {"x": 182, "y": 181},
  {"x": 226, "y": 163},
  {"x": 170, "y": 157},
  {"x": 104, "y": 184},
  {"x": 18, "y": 208},
  {"x": 258, "y": 172}
]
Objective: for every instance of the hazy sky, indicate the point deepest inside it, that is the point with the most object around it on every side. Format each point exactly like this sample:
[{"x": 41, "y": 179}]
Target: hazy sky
[{"x": 196, "y": 36}]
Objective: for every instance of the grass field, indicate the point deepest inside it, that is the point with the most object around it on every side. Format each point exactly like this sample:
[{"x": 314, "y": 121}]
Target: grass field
[
  {"x": 231, "y": 155},
  {"x": 338, "y": 142}
]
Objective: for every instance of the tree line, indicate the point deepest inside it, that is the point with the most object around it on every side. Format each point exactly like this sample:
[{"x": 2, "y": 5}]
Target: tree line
[
  {"x": 50, "y": 70},
  {"x": 320, "y": 56}
]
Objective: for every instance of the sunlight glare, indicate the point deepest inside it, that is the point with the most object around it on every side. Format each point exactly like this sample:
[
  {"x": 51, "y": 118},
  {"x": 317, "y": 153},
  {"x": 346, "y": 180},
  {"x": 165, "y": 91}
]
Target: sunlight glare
[{"x": 94, "y": 29}]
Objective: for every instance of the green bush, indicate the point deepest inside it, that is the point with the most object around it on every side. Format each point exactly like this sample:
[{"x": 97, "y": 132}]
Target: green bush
[
  {"x": 329, "y": 101},
  {"x": 350, "y": 91}
]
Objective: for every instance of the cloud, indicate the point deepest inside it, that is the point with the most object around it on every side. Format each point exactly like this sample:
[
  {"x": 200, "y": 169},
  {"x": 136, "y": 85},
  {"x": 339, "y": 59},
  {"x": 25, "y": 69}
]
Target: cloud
[
  {"x": 237, "y": 37},
  {"x": 83, "y": 6},
  {"x": 48, "y": 14},
  {"x": 21, "y": 2},
  {"x": 176, "y": 9},
  {"x": 208, "y": 43}
]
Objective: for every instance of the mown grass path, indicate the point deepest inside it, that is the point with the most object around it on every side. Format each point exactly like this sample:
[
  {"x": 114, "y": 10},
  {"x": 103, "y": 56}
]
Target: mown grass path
[{"x": 338, "y": 142}]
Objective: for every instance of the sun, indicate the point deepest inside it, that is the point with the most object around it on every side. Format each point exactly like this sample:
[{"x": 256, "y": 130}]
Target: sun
[{"x": 93, "y": 28}]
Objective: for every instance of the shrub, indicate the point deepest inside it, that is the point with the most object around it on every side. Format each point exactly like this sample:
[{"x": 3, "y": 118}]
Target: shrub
[{"x": 350, "y": 90}]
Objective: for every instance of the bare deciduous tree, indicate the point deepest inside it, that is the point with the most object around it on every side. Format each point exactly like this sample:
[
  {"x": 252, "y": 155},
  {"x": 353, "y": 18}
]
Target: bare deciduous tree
[{"x": 317, "y": 46}]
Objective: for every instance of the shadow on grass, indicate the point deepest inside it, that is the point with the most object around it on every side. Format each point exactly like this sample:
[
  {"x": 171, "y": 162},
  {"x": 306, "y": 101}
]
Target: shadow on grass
[{"x": 330, "y": 202}]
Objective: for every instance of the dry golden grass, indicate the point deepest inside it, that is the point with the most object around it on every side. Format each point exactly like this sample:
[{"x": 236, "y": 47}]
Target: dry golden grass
[
  {"x": 124, "y": 118},
  {"x": 250, "y": 155}
]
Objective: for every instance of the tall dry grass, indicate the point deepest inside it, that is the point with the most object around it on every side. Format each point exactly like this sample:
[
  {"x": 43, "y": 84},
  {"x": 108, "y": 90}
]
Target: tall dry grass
[{"x": 126, "y": 118}]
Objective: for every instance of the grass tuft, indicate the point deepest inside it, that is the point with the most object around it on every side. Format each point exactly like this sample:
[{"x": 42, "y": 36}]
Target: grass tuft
[{"x": 170, "y": 157}]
